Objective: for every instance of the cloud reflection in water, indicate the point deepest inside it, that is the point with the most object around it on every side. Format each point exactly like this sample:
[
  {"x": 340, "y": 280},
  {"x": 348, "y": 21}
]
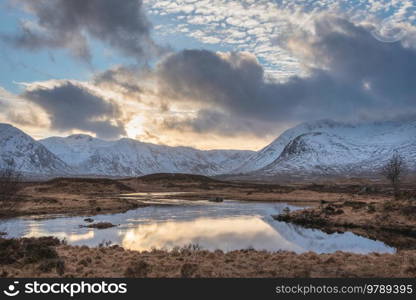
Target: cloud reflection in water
[{"x": 210, "y": 233}]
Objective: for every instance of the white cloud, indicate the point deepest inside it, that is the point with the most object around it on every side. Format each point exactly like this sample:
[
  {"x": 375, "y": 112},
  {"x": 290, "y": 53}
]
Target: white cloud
[{"x": 255, "y": 26}]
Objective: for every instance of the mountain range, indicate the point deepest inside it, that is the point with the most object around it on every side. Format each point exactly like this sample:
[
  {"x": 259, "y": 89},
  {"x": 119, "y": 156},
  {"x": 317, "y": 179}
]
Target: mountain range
[
  {"x": 128, "y": 157},
  {"x": 85, "y": 155},
  {"x": 322, "y": 147}
]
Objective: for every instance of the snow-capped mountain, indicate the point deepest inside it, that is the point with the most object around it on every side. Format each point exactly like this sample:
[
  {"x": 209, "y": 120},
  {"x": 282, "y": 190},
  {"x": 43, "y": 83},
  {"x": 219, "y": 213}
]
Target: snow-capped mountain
[
  {"x": 128, "y": 157},
  {"x": 320, "y": 147},
  {"x": 272, "y": 151},
  {"x": 19, "y": 150},
  {"x": 328, "y": 147}
]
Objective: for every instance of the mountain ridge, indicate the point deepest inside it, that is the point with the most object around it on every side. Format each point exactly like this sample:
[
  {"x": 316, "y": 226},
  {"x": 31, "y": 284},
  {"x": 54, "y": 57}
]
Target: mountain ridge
[
  {"x": 128, "y": 157},
  {"x": 321, "y": 147}
]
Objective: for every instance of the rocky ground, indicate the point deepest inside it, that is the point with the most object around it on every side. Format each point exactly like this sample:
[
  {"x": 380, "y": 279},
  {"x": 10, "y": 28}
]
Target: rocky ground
[{"x": 47, "y": 257}]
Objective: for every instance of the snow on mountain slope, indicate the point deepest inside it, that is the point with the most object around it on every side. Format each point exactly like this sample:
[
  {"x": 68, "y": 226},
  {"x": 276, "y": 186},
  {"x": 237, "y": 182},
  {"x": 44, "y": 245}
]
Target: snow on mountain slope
[
  {"x": 271, "y": 152},
  {"x": 26, "y": 154},
  {"x": 127, "y": 157},
  {"x": 346, "y": 149},
  {"x": 321, "y": 147}
]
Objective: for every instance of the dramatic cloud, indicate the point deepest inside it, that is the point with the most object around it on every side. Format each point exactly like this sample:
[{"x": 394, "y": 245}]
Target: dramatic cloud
[
  {"x": 121, "y": 79},
  {"x": 69, "y": 24},
  {"x": 251, "y": 25},
  {"x": 213, "y": 121},
  {"x": 278, "y": 63},
  {"x": 73, "y": 106},
  {"x": 16, "y": 110},
  {"x": 351, "y": 74}
]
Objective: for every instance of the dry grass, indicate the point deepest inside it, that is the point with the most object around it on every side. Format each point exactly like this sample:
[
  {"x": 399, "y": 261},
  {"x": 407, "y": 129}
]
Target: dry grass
[
  {"x": 114, "y": 261},
  {"x": 89, "y": 196},
  {"x": 73, "y": 197},
  {"x": 83, "y": 196}
]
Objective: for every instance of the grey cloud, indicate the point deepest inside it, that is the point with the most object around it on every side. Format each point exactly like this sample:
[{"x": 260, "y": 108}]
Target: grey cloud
[
  {"x": 353, "y": 75},
  {"x": 28, "y": 119},
  {"x": 68, "y": 24},
  {"x": 122, "y": 77},
  {"x": 353, "y": 56},
  {"x": 70, "y": 106},
  {"x": 217, "y": 122}
]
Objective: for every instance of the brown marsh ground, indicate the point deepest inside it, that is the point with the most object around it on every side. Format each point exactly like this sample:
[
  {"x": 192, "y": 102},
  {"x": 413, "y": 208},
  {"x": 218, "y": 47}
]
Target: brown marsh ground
[{"x": 361, "y": 206}]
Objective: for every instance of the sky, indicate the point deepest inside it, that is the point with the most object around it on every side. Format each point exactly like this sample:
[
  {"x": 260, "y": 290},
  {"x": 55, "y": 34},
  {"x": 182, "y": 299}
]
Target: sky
[{"x": 210, "y": 74}]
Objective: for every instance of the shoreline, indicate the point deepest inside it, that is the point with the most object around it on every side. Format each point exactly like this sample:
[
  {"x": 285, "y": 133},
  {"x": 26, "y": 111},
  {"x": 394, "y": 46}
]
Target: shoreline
[{"x": 392, "y": 222}]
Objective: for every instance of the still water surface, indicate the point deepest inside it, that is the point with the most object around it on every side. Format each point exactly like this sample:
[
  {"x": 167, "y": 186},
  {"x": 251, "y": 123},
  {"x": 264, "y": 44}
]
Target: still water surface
[{"x": 227, "y": 226}]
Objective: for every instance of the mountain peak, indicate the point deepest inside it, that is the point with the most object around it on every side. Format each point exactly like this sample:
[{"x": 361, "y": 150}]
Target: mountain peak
[
  {"x": 340, "y": 146},
  {"x": 323, "y": 123},
  {"x": 29, "y": 155},
  {"x": 80, "y": 136}
]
